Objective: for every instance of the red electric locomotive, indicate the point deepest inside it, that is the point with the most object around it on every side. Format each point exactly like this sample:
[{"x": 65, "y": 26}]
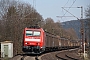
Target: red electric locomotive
[{"x": 33, "y": 40}]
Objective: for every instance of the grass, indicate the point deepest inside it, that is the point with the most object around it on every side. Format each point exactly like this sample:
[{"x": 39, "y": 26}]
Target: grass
[{"x": 6, "y": 58}]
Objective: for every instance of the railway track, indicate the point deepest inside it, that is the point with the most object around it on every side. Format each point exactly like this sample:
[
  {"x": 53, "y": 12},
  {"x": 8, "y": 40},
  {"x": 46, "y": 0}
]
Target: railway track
[
  {"x": 58, "y": 55},
  {"x": 68, "y": 55},
  {"x": 25, "y": 57},
  {"x": 73, "y": 58},
  {"x": 30, "y": 57},
  {"x": 18, "y": 57}
]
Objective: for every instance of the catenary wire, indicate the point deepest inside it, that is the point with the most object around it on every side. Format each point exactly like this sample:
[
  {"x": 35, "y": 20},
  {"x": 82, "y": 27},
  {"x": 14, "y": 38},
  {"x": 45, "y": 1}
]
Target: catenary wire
[{"x": 70, "y": 7}]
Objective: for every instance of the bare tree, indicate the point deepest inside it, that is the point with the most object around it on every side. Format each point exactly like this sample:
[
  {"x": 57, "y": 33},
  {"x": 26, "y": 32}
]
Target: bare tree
[
  {"x": 16, "y": 16},
  {"x": 71, "y": 34}
]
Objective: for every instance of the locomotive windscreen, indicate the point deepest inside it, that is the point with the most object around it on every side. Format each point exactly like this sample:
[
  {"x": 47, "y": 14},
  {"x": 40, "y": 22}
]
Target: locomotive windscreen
[{"x": 32, "y": 33}]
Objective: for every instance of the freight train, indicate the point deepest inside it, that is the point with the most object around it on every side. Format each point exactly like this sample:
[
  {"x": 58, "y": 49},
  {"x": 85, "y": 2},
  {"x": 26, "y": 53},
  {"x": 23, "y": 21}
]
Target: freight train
[{"x": 36, "y": 41}]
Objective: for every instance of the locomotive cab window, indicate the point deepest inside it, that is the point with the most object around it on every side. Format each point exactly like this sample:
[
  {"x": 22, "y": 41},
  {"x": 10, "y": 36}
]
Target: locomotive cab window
[
  {"x": 36, "y": 33},
  {"x": 32, "y": 33},
  {"x": 29, "y": 33}
]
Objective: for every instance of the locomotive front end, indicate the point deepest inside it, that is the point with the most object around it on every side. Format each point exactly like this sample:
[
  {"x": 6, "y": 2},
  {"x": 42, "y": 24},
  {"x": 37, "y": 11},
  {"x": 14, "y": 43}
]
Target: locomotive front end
[{"x": 33, "y": 41}]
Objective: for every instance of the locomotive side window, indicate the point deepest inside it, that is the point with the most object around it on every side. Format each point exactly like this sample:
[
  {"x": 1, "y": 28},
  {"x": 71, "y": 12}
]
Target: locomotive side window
[
  {"x": 29, "y": 33},
  {"x": 36, "y": 33}
]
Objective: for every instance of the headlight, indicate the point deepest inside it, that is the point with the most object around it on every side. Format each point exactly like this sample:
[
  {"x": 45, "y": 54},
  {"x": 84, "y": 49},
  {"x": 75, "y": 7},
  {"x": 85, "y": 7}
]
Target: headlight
[{"x": 25, "y": 43}]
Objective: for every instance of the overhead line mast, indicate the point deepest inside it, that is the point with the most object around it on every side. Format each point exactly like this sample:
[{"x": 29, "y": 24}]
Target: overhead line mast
[{"x": 82, "y": 25}]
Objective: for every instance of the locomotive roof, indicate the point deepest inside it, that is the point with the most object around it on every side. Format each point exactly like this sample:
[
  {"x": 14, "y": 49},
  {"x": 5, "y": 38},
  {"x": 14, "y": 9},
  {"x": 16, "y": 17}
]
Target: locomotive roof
[{"x": 35, "y": 27}]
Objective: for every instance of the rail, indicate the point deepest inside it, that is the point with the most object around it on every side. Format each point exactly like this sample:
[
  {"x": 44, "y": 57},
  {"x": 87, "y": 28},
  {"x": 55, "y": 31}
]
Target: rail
[
  {"x": 67, "y": 55},
  {"x": 71, "y": 57},
  {"x": 59, "y": 57},
  {"x": 23, "y": 57}
]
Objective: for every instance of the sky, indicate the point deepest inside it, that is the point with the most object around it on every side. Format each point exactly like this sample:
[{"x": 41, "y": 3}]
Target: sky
[{"x": 53, "y": 8}]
